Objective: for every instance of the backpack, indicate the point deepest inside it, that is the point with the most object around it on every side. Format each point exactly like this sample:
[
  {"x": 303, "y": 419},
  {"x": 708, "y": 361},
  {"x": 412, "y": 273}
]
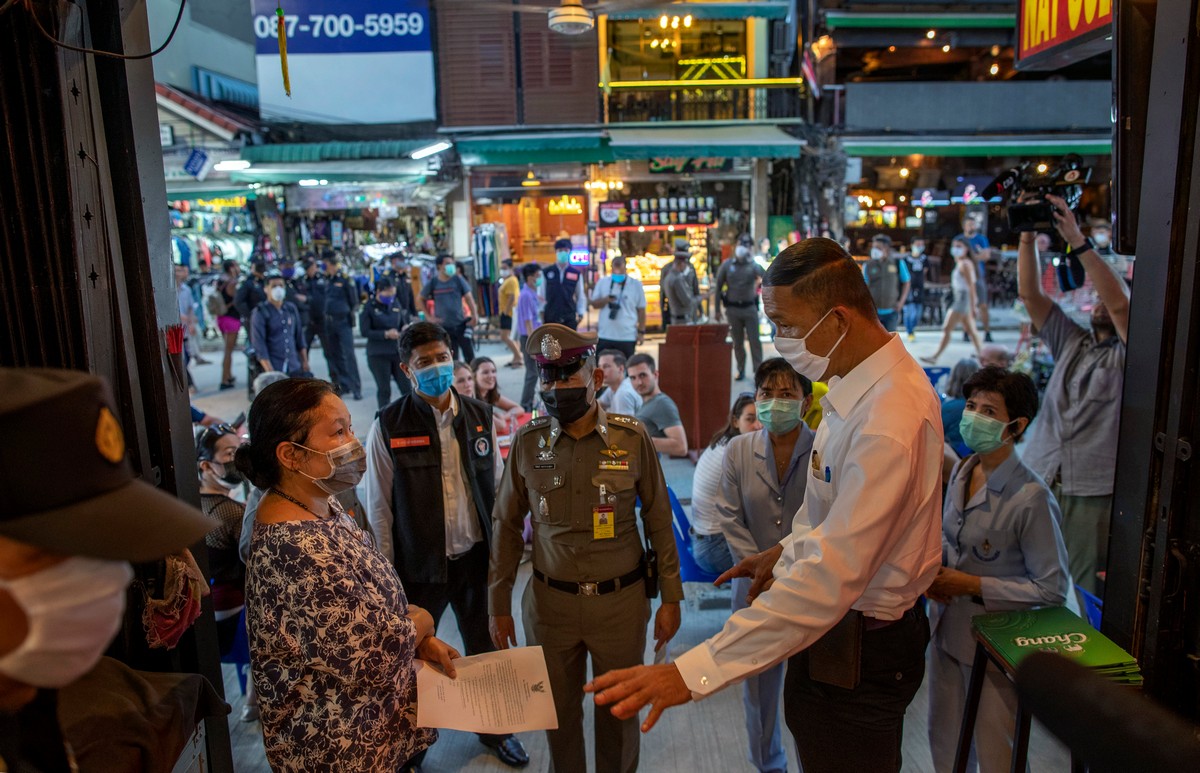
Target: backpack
[{"x": 215, "y": 303}]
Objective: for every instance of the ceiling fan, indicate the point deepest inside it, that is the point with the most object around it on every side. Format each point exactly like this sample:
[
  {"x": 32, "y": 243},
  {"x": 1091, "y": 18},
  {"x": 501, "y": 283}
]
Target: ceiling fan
[{"x": 572, "y": 17}]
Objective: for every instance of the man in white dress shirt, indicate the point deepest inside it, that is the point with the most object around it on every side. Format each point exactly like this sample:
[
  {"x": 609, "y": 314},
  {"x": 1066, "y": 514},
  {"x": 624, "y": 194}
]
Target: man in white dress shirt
[{"x": 840, "y": 597}]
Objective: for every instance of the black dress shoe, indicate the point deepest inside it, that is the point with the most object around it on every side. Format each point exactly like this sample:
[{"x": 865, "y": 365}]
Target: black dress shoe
[
  {"x": 358, "y": 395},
  {"x": 507, "y": 748}
]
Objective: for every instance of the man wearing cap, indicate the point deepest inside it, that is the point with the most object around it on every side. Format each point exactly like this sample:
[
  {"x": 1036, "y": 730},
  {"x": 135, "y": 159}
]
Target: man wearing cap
[
  {"x": 65, "y": 549},
  {"x": 737, "y": 289},
  {"x": 565, "y": 302},
  {"x": 680, "y": 286},
  {"x": 276, "y": 332},
  {"x": 580, "y": 472}
]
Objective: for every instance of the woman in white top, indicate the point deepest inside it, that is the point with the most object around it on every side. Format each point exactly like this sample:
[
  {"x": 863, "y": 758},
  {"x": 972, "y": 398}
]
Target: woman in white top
[
  {"x": 962, "y": 309},
  {"x": 708, "y": 542}
]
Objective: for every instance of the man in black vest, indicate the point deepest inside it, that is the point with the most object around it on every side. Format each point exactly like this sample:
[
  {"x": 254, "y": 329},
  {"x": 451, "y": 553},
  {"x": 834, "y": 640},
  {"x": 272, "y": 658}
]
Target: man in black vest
[{"x": 432, "y": 469}]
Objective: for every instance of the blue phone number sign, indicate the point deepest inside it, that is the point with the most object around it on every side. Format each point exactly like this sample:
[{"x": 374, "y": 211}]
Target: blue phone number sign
[{"x": 344, "y": 26}]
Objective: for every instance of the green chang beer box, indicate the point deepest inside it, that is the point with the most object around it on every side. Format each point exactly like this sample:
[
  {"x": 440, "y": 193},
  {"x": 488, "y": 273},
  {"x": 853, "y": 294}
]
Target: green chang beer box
[{"x": 1013, "y": 635}]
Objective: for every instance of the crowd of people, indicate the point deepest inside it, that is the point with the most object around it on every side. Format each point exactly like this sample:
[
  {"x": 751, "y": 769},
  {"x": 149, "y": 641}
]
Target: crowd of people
[{"x": 849, "y": 505}]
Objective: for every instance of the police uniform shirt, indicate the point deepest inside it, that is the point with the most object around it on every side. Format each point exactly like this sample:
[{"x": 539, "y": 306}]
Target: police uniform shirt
[
  {"x": 341, "y": 296},
  {"x": 557, "y": 479},
  {"x": 737, "y": 282},
  {"x": 868, "y": 536}
]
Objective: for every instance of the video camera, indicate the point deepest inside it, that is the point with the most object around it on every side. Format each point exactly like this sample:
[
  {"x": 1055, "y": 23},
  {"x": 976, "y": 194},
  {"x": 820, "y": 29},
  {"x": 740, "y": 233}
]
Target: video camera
[{"x": 1065, "y": 180}]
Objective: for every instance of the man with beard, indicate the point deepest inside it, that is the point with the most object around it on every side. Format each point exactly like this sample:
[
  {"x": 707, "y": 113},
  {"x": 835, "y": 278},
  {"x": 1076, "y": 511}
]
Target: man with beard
[
  {"x": 580, "y": 472},
  {"x": 1073, "y": 444}
]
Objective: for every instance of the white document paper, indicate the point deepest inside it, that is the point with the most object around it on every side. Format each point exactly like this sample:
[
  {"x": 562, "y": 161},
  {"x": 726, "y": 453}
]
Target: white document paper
[{"x": 498, "y": 692}]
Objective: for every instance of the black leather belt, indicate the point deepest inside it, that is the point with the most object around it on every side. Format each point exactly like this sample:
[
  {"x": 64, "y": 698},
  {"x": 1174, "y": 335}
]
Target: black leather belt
[
  {"x": 591, "y": 588},
  {"x": 740, "y": 304}
]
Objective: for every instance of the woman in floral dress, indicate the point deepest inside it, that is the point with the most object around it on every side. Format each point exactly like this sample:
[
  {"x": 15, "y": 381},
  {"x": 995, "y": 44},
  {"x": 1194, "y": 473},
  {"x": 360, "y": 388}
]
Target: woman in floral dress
[{"x": 332, "y": 637}]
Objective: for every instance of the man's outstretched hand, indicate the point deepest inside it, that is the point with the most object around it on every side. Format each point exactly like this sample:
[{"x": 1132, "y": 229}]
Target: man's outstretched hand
[
  {"x": 760, "y": 567},
  {"x": 627, "y": 690}
]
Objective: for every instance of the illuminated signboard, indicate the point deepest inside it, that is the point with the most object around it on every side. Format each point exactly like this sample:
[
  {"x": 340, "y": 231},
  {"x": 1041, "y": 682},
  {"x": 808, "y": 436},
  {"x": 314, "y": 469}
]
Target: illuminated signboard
[
  {"x": 567, "y": 205},
  {"x": 350, "y": 61},
  {"x": 689, "y": 165},
  {"x": 1055, "y": 33}
]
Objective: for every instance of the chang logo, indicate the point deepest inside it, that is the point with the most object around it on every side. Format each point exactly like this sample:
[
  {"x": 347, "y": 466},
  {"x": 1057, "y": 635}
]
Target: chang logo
[{"x": 1069, "y": 642}]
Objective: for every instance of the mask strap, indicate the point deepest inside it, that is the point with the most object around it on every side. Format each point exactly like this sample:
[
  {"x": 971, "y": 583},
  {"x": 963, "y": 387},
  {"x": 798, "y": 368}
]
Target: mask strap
[{"x": 332, "y": 466}]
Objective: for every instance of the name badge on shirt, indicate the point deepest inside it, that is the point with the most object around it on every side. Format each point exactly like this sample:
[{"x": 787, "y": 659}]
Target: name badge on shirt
[
  {"x": 604, "y": 522},
  {"x": 410, "y": 442}
]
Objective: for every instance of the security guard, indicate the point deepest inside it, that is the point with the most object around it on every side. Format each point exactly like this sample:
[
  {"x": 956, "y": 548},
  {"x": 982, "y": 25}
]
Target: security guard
[
  {"x": 315, "y": 285},
  {"x": 341, "y": 298},
  {"x": 564, "y": 296},
  {"x": 380, "y": 322},
  {"x": 400, "y": 278},
  {"x": 737, "y": 289},
  {"x": 580, "y": 472}
]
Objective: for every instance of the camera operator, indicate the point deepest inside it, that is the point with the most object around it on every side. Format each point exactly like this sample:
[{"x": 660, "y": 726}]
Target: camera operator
[
  {"x": 1073, "y": 444},
  {"x": 622, "y": 323}
]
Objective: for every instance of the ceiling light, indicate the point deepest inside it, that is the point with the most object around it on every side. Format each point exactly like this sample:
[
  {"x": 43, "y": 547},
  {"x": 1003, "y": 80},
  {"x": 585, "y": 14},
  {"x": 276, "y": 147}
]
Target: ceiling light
[
  {"x": 995, "y": 50},
  {"x": 322, "y": 182},
  {"x": 430, "y": 150},
  {"x": 891, "y": 49},
  {"x": 904, "y": 171},
  {"x": 664, "y": 21},
  {"x": 1042, "y": 168},
  {"x": 531, "y": 180},
  {"x": 654, "y": 43},
  {"x": 670, "y": 228},
  {"x": 309, "y": 183},
  {"x": 994, "y": 69},
  {"x": 920, "y": 212},
  {"x": 675, "y": 23},
  {"x": 946, "y": 49},
  {"x": 641, "y": 228},
  {"x": 232, "y": 165},
  {"x": 882, "y": 202},
  {"x": 687, "y": 20},
  {"x": 903, "y": 199},
  {"x": 931, "y": 34}
]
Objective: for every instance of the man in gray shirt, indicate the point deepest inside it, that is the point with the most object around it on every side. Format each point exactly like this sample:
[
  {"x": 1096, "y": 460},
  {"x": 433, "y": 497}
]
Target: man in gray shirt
[
  {"x": 443, "y": 296},
  {"x": 680, "y": 286},
  {"x": 737, "y": 288},
  {"x": 658, "y": 412},
  {"x": 1073, "y": 444}
]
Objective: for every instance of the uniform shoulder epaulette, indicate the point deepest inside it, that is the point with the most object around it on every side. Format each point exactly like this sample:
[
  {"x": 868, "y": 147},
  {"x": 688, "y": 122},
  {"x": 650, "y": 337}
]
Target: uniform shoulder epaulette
[
  {"x": 540, "y": 421},
  {"x": 621, "y": 419}
]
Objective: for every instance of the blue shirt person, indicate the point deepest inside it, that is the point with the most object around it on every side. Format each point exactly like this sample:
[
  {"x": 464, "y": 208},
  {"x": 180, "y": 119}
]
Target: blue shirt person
[
  {"x": 1002, "y": 550},
  {"x": 276, "y": 332},
  {"x": 762, "y": 488}
]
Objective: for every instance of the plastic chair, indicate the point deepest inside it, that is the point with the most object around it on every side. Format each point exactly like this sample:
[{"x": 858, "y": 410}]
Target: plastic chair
[
  {"x": 239, "y": 653},
  {"x": 935, "y": 375},
  {"x": 1093, "y": 607},
  {"x": 689, "y": 570}
]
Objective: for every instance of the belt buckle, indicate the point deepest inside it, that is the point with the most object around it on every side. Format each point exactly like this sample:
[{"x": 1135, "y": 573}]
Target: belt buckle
[{"x": 588, "y": 589}]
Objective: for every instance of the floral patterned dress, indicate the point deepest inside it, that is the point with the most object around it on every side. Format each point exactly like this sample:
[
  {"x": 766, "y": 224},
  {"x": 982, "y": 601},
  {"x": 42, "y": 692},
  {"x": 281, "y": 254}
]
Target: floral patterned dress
[{"x": 331, "y": 650}]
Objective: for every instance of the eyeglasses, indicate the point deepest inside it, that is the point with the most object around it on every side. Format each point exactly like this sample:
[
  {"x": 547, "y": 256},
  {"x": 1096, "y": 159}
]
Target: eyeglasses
[{"x": 208, "y": 438}]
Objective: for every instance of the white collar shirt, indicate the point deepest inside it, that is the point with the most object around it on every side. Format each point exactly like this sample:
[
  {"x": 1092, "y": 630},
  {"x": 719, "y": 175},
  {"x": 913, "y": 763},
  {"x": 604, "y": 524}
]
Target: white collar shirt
[
  {"x": 868, "y": 536},
  {"x": 462, "y": 526}
]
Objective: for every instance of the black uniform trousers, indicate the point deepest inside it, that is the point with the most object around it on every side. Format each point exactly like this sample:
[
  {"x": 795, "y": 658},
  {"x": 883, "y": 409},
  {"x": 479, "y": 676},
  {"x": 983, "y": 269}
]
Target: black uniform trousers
[
  {"x": 385, "y": 369},
  {"x": 339, "y": 341},
  {"x": 312, "y": 332},
  {"x": 462, "y": 342},
  {"x": 837, "y": 729},
  {"x": 466, "y": 593}
]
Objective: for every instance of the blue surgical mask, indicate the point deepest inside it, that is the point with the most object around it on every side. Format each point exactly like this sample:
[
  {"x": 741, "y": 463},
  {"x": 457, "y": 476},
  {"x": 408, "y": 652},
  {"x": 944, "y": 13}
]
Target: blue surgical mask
[
  {"x": 435, "y": 380},
  {"x": 778, "y": 414},
  {"x": 386, "y": 300},
  {"x": 982, "y": 434},
  {"x": 562, "y": 257},
  {"x": 288, "y": 273},
  {"x": 541, "y": 280},
  {"x": 618, "y": 278},
  {"x": 450, "y": 269}
]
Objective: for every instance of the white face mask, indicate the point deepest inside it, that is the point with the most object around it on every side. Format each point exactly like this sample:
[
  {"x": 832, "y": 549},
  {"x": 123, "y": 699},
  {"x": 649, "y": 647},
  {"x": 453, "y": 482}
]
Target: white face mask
[
  {"x": 1101, "y": 240},
  {"x": 795, "y": 351},
  {"x": 74, "y": 610},
  {"x": 278, "y": 294},
  {"x": 958, "y": 251},
  {"x": 917, "y": 249},
  {"x": 876, "y": 253}
]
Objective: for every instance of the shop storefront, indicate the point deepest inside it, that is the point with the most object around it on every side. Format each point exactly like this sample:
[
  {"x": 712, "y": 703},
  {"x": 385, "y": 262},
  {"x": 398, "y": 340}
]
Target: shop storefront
[{"x": 207, "y": 231}]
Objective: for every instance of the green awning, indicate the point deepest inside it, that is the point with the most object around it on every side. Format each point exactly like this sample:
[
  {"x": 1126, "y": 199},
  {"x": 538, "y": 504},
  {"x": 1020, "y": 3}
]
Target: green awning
[
  {"x": 984, "y": 146},
  {"x": 924, "y": 21},
  {"x": 309, "y": 152},
  {"x": 704, "y": 142},
  {"x": 763, "y": 9},
  {"x": 534, "y": 148}
]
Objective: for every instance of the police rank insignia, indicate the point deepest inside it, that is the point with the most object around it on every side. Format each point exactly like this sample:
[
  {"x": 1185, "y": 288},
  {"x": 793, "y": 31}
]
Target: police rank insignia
[
  {"x": 546, "y": 456},
  {"x": 543, "y": 507},
  {"x": 612, "y": 452},
  {"x": 542, "y": 442},
  {"x": 551, "y": 348}
]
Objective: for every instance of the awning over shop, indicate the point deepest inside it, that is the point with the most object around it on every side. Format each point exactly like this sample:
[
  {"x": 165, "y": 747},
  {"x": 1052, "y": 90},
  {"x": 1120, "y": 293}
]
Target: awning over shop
[
  {"x": 925, "y": 21},
  {"x": 533, "y": 148},
  {"x": 185, "y": 190},
  {"x": 1025, "y": 145},
  {"x": 704, "y": 142},
  {"x": 407, "y": 171},
  {"x": 763, "y": 9},
  {"x": 312, "y": 152}
]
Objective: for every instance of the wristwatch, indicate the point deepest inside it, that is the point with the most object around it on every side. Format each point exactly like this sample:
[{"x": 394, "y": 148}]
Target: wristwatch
[{"x": 1087, "y": 245}]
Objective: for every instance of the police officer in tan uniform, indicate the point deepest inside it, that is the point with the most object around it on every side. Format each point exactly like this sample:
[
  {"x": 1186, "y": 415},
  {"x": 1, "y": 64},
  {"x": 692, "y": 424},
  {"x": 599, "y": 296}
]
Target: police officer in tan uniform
[{"x": 580, "y": 472}]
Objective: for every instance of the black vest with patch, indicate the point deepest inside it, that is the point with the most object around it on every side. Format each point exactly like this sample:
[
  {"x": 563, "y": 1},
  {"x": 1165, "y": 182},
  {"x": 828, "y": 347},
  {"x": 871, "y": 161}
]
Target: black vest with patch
[{"x": 419, "y": 520}]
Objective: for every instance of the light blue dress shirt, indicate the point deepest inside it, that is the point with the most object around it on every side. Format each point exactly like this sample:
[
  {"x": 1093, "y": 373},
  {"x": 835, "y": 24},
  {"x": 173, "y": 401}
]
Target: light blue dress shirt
[{"x": 1009, "y": 535}]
